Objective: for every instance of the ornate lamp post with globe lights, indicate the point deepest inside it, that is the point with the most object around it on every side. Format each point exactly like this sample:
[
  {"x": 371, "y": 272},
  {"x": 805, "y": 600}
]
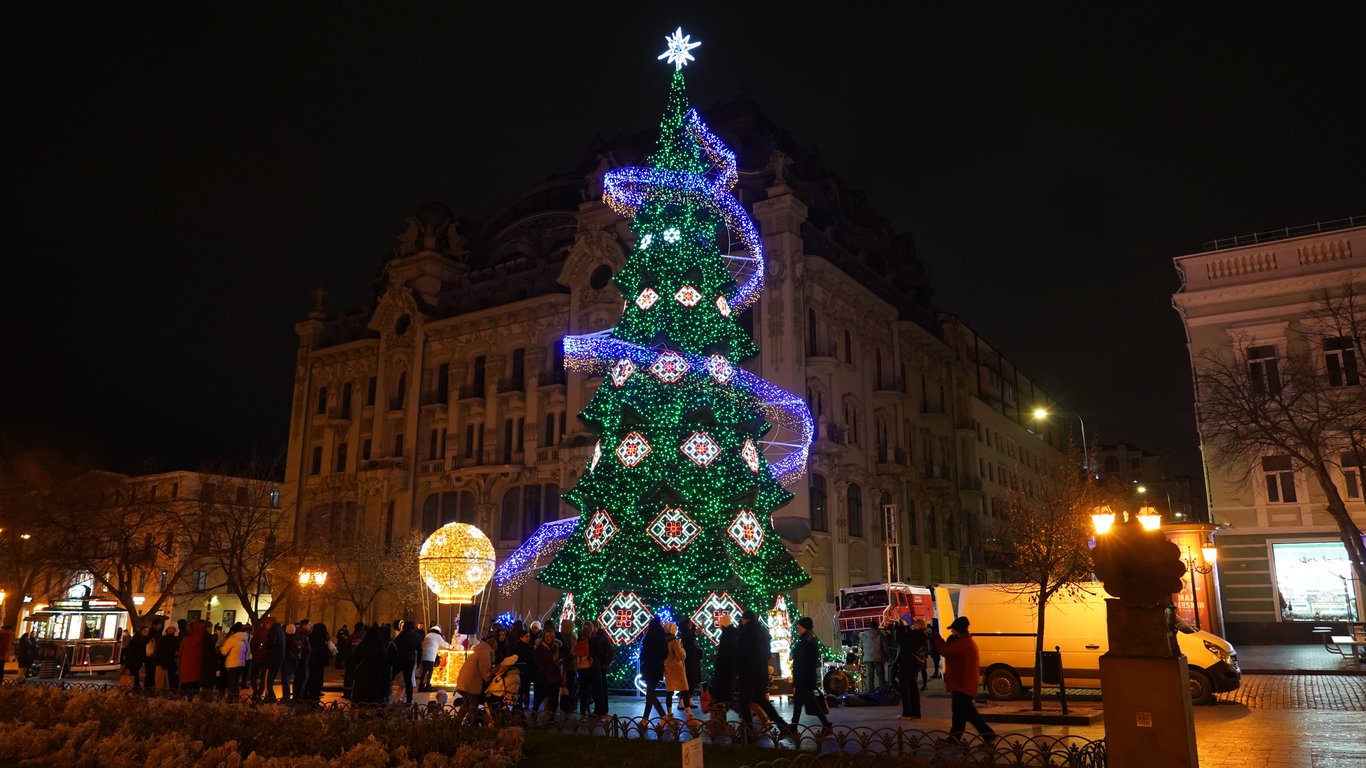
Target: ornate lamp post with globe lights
[
  {"x": 1145, "y": 684},
  {"x": 311, "y": 581}
]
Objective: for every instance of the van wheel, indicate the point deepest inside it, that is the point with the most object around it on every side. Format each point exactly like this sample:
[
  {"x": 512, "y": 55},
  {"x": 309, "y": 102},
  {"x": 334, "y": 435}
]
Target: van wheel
[
  {"x": 1003, "y": 684},
  {"x": 1202, "y": 690}
]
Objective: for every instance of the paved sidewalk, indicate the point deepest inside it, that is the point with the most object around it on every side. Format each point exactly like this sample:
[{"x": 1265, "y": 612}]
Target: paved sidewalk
[{"x": 1295, "y": 659}]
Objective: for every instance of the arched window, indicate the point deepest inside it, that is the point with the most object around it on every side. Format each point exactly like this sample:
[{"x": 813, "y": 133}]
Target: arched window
[
  {"x": 450, "y": 507},
  {"x": 332, "y": 524},
  {"x": 525, "y": 508},
  {"x": 855, "y": 498},
  {"x": 818, "y": 515}
]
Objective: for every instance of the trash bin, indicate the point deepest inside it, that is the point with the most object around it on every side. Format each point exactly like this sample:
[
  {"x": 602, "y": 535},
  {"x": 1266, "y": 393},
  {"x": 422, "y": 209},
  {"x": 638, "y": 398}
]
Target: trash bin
[{"x": 1052, "y": 667}]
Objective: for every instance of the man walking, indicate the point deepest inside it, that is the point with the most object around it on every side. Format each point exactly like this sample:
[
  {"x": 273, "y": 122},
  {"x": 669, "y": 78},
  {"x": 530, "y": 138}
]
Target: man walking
[
  {"x": 806, "y": 670},
  {"x": 753, "y": 677},
  {"x": 961, "y": 676}
]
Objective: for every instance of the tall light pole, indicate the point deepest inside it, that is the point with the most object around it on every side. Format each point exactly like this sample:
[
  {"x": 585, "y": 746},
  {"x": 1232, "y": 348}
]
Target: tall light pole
[{"x": 1043, "y": 413}]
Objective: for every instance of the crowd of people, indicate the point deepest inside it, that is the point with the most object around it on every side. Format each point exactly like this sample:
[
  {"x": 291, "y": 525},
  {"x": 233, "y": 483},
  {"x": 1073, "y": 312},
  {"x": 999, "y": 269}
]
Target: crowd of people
[{"x": 554, "y": 670}]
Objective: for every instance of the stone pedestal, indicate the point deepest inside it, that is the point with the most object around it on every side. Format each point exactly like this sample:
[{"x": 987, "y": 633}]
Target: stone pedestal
[
  {"x": 1148, "y": 718},
  {"x": 1141, "y": 630}
]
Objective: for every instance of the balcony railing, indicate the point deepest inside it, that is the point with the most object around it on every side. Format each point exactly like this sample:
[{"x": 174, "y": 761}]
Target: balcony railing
[
  {"x": 835, "y": 433},
  {"x": 822, "y": 349},
  {"x": 511, "y": 385},
  {"x": 435, "y": 398},
  {"x": 472, "y": 391},
  {"x": 547, "y": 454},
  {"x": 551, "y": 378}
]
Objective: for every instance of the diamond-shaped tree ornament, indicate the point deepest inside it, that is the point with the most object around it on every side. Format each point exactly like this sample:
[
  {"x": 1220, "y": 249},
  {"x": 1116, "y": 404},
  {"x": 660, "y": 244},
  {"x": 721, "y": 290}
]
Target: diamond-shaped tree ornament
[
  {"x": 723, "y": 306},
  {"x": 720, "y": 368},
  {"x": 597, "y": 456},
  {"x": 624, "y": 618},
  {"x": 647, "y": 298},
  {"x": 750, "y": 453},
  {"x": 688, "y": 296},
  {"x": 670, "y": 367},
  {"x": 633, "y": 449},
  {"x": 622, "y": 371},
  {"x": 700, "y": 448},
  {"x": 673, "y": 530},
  {"x": 746, "y": 531},
  {"x": 707, "y": 618},
  {"x": 599, "y": 531}
]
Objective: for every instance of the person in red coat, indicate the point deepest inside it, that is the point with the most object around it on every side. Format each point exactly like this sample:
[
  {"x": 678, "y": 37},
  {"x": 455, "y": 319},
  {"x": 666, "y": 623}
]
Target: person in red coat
[
  {"x": 192, "y": 656},
  {"x": 962, "y": 676}
]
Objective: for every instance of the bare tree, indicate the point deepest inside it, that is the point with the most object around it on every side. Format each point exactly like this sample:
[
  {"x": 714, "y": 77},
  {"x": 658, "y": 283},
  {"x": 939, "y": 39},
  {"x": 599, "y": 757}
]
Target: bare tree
[
  {"x": 26, "y": 564},
  {"x": 1306, "y": 403},
  {"x": 366, "y": 568},
  {"x": 247, "y": 539},
  {"x": 129, "y": 541},
  {"x": 1044, "y": 541}
]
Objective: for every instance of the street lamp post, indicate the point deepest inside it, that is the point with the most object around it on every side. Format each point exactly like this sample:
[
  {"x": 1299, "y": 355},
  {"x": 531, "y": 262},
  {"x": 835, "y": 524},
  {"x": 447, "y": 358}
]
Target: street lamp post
[
  {"x": 311, "y": 580},
  {"x": 1043, "y": 413},
  {"x": 1208, "y": 553}
]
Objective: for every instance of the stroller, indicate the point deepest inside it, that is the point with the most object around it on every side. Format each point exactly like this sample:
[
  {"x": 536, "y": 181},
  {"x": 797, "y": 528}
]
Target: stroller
[{"x": 502, "y": 693}]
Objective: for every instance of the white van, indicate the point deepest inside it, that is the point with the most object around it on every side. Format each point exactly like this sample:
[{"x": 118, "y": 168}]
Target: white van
[{"x": 1004, "y": 622}]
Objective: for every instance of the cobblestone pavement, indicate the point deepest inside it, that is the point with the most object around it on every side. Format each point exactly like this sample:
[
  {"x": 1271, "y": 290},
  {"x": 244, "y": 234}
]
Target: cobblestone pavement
[{"x": 1339, "y": 693}]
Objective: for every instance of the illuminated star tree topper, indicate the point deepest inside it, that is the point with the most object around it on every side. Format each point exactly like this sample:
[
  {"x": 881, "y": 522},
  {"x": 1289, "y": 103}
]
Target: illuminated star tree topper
[{"x": 679, "y": 52}]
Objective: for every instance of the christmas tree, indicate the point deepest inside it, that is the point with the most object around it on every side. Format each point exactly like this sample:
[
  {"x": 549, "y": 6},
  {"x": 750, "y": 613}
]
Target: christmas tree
[{"x": 675, "y": 502}]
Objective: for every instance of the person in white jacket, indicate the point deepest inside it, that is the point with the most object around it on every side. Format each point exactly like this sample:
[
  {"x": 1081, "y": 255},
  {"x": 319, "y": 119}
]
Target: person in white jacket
[
  {"x": 432, "y": 643},
  {"x": 235, "y": 649}
]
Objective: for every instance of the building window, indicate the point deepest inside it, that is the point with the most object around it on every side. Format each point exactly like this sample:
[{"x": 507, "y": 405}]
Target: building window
[
  {"x": 275, "y": 498},
  {"x": 887, "y": 509},
  {"x": 1340, "y": 360},
  {"x": 548, "y": 439},
  {"x": 1112, "y": 464},
  {"x": 370, "y": 387},
  {"x": 243, "y": 495},
  {"x": 389, "y": 525},
  {"x": 341, "y": 457},
  {"x": 932, "y": 527},
  {"x": 322, "y": 400},
  {"x": 400, "y": 392},
  {"x": 316, "y": 466},
  {"x": 443, "y": 381},
  {"x": 1314, "y": 581},
  {"x": 848, "y": 347},
  {"x": 1279, "y": 472},
  {"x": 812, "y": 347},
  {"x": 477, "y": 375},
  {"x": 161, "y": 581},
  {"x": 201, "y": 581},
  {"x": 365, "y": 450},
  {"x": 518, "y": 367},
  {"x": 819, "y": 521},
  {"x": 434, "y": 445},
  {"x": 1264, "y": 369},
  {"x": 507, "y": 441},
  {"x": 855, "y": 499},
  {"x": 511, "y": 514},
  {"x": 469, "y": 440},
  {"x": 346, "y": 400},
  {"x": 1354, "y": 473},
  {"x": 398, "y": 445}
]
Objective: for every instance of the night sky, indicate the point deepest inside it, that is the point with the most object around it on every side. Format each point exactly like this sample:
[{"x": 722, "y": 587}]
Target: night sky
[{"x": 179, "y": 184}]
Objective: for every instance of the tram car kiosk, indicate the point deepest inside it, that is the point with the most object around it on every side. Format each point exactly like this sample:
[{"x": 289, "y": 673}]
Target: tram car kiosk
[{"x": 78, "y": 636}]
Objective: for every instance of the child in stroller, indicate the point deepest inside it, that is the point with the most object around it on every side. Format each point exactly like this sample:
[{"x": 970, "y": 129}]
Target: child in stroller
[{"x": 504, "y": 688}]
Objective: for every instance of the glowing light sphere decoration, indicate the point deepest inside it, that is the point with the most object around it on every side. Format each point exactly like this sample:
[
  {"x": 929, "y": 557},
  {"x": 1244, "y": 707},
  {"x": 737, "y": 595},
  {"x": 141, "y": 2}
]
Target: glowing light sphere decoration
[
  {"x": 456, "y": 562},
  {"x": 695, "y": 435}
]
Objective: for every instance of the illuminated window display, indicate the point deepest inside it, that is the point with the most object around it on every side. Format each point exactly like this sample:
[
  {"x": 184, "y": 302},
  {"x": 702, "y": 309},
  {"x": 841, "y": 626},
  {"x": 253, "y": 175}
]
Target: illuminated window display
[{"x": 1314, "y": 581}]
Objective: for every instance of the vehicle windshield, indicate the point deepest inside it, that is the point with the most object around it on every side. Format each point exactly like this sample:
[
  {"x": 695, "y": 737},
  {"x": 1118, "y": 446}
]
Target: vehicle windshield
[{"x": 865, "y": 600}]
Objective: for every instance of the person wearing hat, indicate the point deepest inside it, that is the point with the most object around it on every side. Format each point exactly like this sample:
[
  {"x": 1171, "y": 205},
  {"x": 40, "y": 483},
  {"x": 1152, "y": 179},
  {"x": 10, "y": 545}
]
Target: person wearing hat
[
  {"x": 432, "y": 643},
  {"x": 962, "y": 677},
  {"x": 806, "y": 672}
]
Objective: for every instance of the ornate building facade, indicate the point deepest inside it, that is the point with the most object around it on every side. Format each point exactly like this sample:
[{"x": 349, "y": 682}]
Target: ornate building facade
[
  {"x": 1282, "y": 565},
  {"x": 446, "y": 399}
]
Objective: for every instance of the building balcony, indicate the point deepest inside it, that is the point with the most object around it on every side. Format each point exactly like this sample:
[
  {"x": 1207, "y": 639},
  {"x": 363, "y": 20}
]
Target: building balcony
[
  {"x": 547, "y": 454},
  {"x": 893, "y": 456},
  {"x": 396, "y": 404},
  {"x": 432, "y": 467},
  {"x": 557, "y": 378},
  {"x": 893, "y": 385},
  {"x": 822, "y": 352},
  {"x": 509, "y": 385},
  {"x": 938, "y": 472},
  {"x": 472, "y": 391},
  {"x": 438, "y": 399}
]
